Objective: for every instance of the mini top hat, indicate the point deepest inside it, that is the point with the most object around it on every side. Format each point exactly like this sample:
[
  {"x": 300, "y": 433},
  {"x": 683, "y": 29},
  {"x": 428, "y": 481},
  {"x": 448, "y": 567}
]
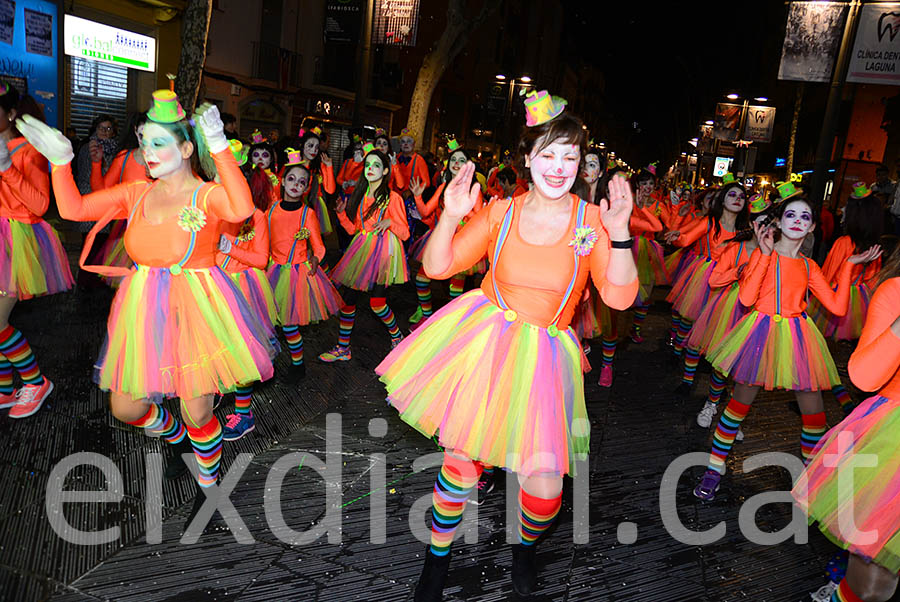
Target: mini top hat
[
  {"x": 406, "y": 133},
  {"x": 610, "y": 163},
  {"x": 728, "y": 178},
  {"x": 166, "y": 108},
  {"x": 540, "y": 107},
  {"x": 239, "y": 151},
  {"x": 257, "y": 138},
  {"x": 860, "y": 191},
  {"x": 294, "y": 157},
  {"x": 380, "y": 132},
  {"x": 651, "y": 168},
  {"x": 316, "y": 130},
  {"x": 452, "y": 144},
  {"x": 759, "y": 203},
  {"x": 786, "y": 190},
  {"x": 356, "y": 138},
  {"x": 368, "y": 147}
]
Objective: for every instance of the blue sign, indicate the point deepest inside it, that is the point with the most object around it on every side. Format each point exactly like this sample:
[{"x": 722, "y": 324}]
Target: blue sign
[
  {"x": 29, "y": 51},
  {"x": 780, "y": 161}
]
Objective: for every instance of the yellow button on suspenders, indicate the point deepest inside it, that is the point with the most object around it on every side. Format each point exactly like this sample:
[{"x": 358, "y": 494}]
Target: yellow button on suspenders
[
  {"x": 552, "y": 330},
  {"x": 175, "y": 269},
  {"x": 510, "y": 315},
  {"x": 776, "y": 318}
]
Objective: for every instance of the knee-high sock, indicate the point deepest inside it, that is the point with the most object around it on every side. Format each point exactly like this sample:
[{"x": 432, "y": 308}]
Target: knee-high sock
[
  {"x": 691, "y": 360},
  {"x": 457, "y": 286},
  {"x": 242, "y": 398},
  {"x": 726, "y": 431},
  {"x": 294, "y": 343},
  {"x": 451, "y": 490},
  {"x": 345, "y": 325},
  {"x": 844, "y": 594},
  {"x": 380, "y": 307},
  {"x": 684, "y": 329},
  {"x": 14, "y": 346},
  {"x": 717, "y": 382},
  {"x": 676, "y": 320},
  {"x": 842, "y": 396},
  {"x": 6, "y": 376},
  {"x": 160, "y": 421},
  {"x": 536, "y": 515},
  {"x": 207, "y": 443},
  {"x": 813, "y": 430},
  {"x": 609, "y": 350},
  {"x": 640, "y": 314},
  {"x": 423, "y": 292}
]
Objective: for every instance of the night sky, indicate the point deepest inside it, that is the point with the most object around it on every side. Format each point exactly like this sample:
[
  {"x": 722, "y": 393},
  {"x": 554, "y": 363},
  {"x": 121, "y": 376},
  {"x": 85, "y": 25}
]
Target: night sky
[{"x": 666, "y": 65}]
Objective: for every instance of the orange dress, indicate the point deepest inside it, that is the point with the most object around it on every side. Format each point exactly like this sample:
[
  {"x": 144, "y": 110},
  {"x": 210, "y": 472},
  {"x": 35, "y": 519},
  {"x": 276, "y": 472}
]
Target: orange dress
[
  {"x": 374, "y": 259},
  {"x": 301, "y": 297},
  {"x": 777, "y": 345},
  {"x": 33, "y": 262},
  {"x": 497, "y": 372},
  {"x": 178, "y": 326},
  {"x": 407, "y": 168},
  {"x": 246, "y": 263},
  {"x": 690, "y": 292}
]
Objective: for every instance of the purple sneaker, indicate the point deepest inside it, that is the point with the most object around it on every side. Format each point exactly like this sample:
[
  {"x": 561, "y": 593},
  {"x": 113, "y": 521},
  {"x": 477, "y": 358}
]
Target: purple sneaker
[{"x": 708, "y": 486}]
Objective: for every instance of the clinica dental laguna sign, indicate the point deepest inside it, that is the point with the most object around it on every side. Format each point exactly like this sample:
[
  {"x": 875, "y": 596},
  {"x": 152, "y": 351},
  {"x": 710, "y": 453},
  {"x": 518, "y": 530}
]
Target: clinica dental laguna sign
[{"x": 95, "y": 41}]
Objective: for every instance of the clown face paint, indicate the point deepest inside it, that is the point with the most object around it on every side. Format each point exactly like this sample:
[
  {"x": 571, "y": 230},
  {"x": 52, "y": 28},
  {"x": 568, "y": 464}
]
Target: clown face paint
[
  {"x": 456, "y": 162},
  {"x": 407, "y": 144},
  {"x": 797, "y": 220},
  {"x": 357, "y": 153},
  {"x": 734, "y": 200},
  {"x": 296, "y": 183},
  {"x": 591, "y": 171},
  {"x": 161, "y": 151},
  {"x": 645, "y": 188},
  {"x": 554, "y": 169},
  {"x": 383, "y": 145},
  {"x": 373, "y": 169},
  {"x": 311, "y": 149},
  {"x": 261, "y": 158}
]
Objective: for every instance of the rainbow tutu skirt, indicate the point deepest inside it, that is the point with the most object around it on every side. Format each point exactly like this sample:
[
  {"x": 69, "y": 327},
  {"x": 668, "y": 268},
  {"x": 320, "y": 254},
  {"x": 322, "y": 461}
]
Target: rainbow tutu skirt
[
  {"x": 858, "y": 508},
  {"x": 678, "y": 261},
  {"x": 258, "y": 293},
  {"x": 371, "y": 260},
  {"x": 303, "y": 299},
  {"x": 33, "y": 262},
  {"x": 651, "y": 267},
  {"x": 417, "y": 248},
  {"x": 849, "y": 326},
  {"x": 492, "y": 387},
  {"x": 722, "y": 313},
  {"x": 693, "y": 293}
]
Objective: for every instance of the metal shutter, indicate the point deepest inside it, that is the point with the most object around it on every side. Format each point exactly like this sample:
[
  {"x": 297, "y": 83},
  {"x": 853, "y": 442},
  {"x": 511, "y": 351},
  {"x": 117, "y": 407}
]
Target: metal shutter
[{"x": 96, "y": 88}]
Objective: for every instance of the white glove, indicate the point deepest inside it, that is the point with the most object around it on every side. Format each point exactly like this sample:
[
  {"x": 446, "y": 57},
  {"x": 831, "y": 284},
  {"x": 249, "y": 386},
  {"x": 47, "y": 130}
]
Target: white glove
[
  {"x": 225, "y": 244},
  {"x": 48, "y": 141},
  {"x": 5, "y": 161},
  {"x": 210, "y": 123}
]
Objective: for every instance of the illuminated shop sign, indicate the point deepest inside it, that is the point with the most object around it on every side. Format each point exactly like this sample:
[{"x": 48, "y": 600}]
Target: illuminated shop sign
[{"x": 98, "y": 42}]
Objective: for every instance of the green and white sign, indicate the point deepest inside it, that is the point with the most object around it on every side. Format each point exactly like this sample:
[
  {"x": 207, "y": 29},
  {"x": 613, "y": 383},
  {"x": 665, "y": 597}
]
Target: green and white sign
[{"x": 97, "y": 42}]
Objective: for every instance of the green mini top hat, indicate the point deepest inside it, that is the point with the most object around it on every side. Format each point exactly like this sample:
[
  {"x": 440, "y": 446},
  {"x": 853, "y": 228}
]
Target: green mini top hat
[
  {"x": 166, "y": 108},
  {"x": 728, "y": 178},
  {"x": 368, "y": 147},
  {"x": 239, "y": 151},
  {"x": 759, "y": 203},
  {"x": 787, "y": 190},
  {"x": 860, "y": 191},
  {"x": 452, "y": 144}
]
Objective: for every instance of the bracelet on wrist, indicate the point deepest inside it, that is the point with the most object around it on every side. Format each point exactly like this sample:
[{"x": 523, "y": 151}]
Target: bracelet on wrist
[{"x": 622, "y": 244}]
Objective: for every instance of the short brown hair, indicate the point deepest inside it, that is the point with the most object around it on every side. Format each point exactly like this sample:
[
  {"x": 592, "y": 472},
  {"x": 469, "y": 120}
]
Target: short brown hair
[{"x": 566, "y": 127}]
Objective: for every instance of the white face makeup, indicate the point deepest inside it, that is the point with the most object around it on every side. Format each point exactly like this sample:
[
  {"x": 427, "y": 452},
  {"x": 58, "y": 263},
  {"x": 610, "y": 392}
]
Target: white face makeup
[
  {"x": 554, "y": 168},
  {"x": 161, "y": 151},
  {"x": 357, "y": 153},
  {"x": 797, "y": 220},
  {"x": 383, "y": 145},
  {"x": 311, "y": 149},
  {"x": 295, "y": 182},
  {"x": 407, "y": 144},
  {"x": 373, "y": 169},
  {"x": 734, "y": 200},
  {"x": 456, "y": 162},
  {"x": 261, "y": 158},
  {"x": 591, "y": 171},
  {"x": 645, "y": 188}
]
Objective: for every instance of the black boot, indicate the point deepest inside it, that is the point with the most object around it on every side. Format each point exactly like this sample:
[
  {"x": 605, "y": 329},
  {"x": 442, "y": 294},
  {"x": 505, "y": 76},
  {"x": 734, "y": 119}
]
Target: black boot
[
  {"x": 295, "y": 373},
  {"x": 175, "y": 466},
  {"x": 683, "y": 390},
  {"x": 524, "y": 569},
  {"x": 431, "y": 582},
  {"x": 216, "y": 522}
]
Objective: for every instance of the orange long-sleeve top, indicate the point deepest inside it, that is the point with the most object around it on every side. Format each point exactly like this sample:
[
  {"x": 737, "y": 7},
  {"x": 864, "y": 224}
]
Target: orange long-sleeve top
[
  {"x": 727, "y": 269},
  {"x": 124, "y": 168},
  {"x": 165, "y": 243},
  {"x": 766, "y": 274},
  {"x": 661, "y": 210},
  {"x": 395, "y": 211},
  {"x": 431, "y": 210},
  {"x": 416, "y": 167},
  {"x": 644, "y": 221},
  {"x": 326, "y": 178},
  {"x": 708, "y": 242},
  {"x": 287, "y": 245},
  {"x": 533, "y": 278},
  {"x": 249, "y": 244},
  {"x": 350, "y": 172},
  {"x": 875, "y": 364},
  {"x": 24, "y": 187},
  {"x": 842, "y": 249}
]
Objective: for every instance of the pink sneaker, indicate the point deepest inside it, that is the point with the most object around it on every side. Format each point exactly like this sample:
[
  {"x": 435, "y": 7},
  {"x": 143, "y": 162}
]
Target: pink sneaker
[
  {"x": 636, "y": 337},
  {"x": 605, "y": 376},
  {"x": 30, "y": 398},
  {"x": 7, "y": 400}
]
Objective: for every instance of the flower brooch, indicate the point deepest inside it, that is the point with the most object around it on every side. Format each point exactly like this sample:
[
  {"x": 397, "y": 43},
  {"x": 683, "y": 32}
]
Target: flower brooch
[
  {"x": 191, "y": 219},
  {"x": 301, "y": 234},
  {"x": 584, "y": 239},
  {"x": 246, "y": 234}
]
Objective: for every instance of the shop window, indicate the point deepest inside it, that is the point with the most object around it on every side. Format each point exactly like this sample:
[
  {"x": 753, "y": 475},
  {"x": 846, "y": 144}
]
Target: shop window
[{"x": 96, "y": 88}]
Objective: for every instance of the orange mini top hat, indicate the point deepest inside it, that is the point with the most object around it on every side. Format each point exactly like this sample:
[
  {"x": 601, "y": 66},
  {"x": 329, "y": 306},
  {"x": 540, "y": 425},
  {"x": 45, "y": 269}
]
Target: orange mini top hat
[
  {"x": 786, "y": 190},
  {"x": 257, "y": 137},
  {"x": 294, "y": 157},
  {"x": 759, "y": 203},
  {"x": 540, "y": 107},
  {"x": 452, "y": 144},
  {"x": 860, "y": 191},
  {"x": 368, "y": 147}
]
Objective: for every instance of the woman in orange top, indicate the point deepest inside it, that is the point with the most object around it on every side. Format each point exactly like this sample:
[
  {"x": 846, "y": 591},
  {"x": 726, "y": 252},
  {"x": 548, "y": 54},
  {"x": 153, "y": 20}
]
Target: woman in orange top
[
  {"x": 33, "y": 263},
  {"x": 694, "y": 211},
  {"x": 351, "y": 170},
  {"x": 864, "y": 518},
  {"x": 303, "y": 293},
  {"x": 375, "y": 259},
  {"x": 496, "y": 373},
  {"x": 383, "y": 143},
  {"x": 178, "y": 326},
  {"x": 264, "y": 180},
  {"x": 322, "y": 182},
  {"x": 777, "y": 345}
]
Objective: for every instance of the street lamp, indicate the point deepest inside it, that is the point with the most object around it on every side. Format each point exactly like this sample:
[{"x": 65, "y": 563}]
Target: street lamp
[
  {"x": 525, "y": 79},
  {"x": 732, "y": 96},
  {"x": 500, "y": 77}
]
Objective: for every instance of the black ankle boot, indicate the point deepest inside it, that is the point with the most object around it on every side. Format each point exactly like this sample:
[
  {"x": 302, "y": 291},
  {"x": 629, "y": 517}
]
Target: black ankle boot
[
  {"x": 295, "y": 373},
  {"x": 175, "y": 466},
  {"x": 434, "y": 574},
  {"x": 524, "y": 569}
]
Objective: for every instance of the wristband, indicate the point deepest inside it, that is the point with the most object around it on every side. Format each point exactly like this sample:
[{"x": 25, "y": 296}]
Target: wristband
[{"x": 622, "y": 244}]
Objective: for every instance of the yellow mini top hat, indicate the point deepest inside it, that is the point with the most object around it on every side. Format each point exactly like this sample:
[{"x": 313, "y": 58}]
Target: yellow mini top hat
[
  {"x": 239, "y": 151},
  {"x": 368, "y": 147},
  {"x": 294, "y": 157},
  {"x": 759, "y": 203},
  {"x": 860, "y": 191},
  {"x": 540, "y": 107},
  {"x": 786, "y": 190},
  {"x": 728, "y": 178},
  {"x": 452, "y": 144}
]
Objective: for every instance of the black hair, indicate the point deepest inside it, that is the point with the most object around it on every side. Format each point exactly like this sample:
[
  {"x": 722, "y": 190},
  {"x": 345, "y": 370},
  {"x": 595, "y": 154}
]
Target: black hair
[
  {"x": 306, "y": 196},
  {"x": 508, "y": 175},
  {"x": 446, "y": 175},
  {"x": 273, "y": 163},
  {"x": 864, "y": 222},
  {"x": 382, "y": 193},
  {"x": 100, "y": 119},
  {"x": 717, "y": 209},
  {"x": 128, "y": 139},
  {"x": 10, "y": 99},
  {"x": 228, "y": 118}
]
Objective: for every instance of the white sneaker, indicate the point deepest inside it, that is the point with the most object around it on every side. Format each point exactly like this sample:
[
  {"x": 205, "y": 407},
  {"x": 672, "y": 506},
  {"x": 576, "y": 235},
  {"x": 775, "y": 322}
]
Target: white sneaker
[
  {"x": 706, "y": 415},
  {"x": 824, "y": 593},
  {"x": 739, "y": 436}
]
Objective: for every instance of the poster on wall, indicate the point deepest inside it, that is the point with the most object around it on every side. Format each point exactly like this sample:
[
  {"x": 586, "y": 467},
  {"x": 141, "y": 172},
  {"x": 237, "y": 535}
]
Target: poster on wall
[
  {"x": 7, "y": 20},
  {"x": 396, "y": 22},
  {"x": 38, "y": 33},
  {"x": 760, "y": 124},
  {"x": 876, "y": 50},
  {"x": 342, "y": 19},
  {"x": 727, "y": 121},
  {"x": 811, "y": 40}
]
